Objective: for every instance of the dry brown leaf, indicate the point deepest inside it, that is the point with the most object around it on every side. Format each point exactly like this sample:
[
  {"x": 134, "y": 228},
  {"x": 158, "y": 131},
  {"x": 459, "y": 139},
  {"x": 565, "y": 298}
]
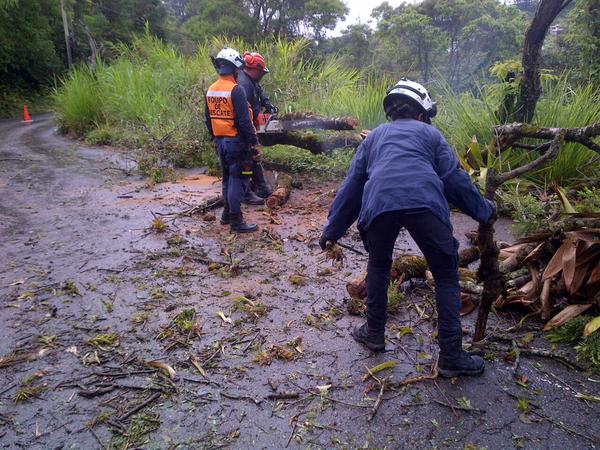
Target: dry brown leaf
[
  {"x": 467, "y": 304},
  {"x": 512, "y": 250},
  {"x": 534, "y": 253},
  {"x": 578, "y": 278},
  {"x": 556, "y": 263},
  {"x": 588, "y": 254},
  {"x": 570, "y": 312},
  {"x": 569, "y": 258},
  {"x": 535, "y": 279},
  {"x": 164, "y": 367},
  {"x": 545, "y": 300},
  {"x": 588, "y": 235},
  {"x": 595, "y": 275},
  {"x": 197, "y": 365}
]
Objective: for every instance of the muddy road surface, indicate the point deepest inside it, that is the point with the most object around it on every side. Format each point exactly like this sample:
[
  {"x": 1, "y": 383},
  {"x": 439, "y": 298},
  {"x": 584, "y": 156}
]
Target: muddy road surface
[{"x": 120, "y": 332}]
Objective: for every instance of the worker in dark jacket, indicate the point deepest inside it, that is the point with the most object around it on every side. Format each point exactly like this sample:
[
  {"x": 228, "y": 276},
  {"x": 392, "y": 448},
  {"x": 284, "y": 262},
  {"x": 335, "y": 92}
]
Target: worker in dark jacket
[
  {"x": 229, "y": 122},
  {"x": 255, "y": 68},
  {"x": 403, "y": 176}
]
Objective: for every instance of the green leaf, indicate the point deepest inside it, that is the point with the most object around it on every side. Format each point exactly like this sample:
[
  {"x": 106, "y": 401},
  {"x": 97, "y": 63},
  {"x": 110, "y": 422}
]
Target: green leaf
[
  {"x": 591, "y": 327},
  {"x": 464, "y": 402},
  {"x": 567, "y": 206}
]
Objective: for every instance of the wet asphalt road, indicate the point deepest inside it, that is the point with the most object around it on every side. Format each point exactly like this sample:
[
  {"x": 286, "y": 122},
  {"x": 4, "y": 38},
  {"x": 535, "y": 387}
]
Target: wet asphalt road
[{"x": 78, "y": 260}]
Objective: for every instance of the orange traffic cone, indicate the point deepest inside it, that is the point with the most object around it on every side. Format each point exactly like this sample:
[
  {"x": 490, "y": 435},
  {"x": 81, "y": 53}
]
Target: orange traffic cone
[{"x": 26, "y": 116}]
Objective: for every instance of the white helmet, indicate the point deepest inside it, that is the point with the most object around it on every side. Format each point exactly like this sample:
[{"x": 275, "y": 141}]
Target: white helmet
[
  {"x": 231, "y": 56},
  {"x": 415, "y": 92}
]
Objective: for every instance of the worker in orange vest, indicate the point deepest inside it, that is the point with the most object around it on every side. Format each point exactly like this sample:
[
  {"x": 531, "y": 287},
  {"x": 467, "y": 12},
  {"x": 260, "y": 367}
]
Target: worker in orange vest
[{"x": 229, "y": 122}]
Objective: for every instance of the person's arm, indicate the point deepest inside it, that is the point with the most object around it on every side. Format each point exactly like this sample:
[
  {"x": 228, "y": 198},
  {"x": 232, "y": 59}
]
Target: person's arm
[
  {"x": 458, "y": 187},
  {"x": 264, "y": 101},
  {"x": 242, "y": 116},
  {"x": 207, "y": 119},
  {"x": 346, "y": 206}
]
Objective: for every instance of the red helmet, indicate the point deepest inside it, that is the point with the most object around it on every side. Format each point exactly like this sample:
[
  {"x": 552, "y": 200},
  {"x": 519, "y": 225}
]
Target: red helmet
[{"x": 254, "y": 60}]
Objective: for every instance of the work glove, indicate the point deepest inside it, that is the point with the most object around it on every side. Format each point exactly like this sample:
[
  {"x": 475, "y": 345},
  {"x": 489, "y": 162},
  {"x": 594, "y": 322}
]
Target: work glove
[
  {"x": 271, "y": 109},
  {"x": 323, "y": 242},
  {"x": 258, "y": 153}
]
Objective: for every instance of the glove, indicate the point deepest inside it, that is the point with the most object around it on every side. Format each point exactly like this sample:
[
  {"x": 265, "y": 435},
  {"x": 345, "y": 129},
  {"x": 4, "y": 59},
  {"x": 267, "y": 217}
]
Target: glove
[
  {"x": 258, "y": 153},
  {"x": 271, "y": 109},
  {"x": 323, "y": 242}
]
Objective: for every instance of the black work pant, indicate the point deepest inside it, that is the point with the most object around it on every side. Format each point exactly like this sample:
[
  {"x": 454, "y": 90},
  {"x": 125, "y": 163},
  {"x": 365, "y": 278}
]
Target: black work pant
[{"x": 439, "y": 247}]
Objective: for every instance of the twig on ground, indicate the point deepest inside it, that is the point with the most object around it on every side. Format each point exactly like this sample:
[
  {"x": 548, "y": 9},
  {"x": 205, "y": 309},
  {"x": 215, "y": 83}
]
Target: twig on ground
[
  {"x": 382, "y": 386},
  {"x": 141, "y": 406}
]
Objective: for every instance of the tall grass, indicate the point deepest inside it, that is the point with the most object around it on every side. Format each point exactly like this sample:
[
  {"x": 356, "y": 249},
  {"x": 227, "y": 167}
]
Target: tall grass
[
  {"x": 78, "y": 101},
  {"x": 465, "y": 115},
  {"x": 151, "y": 91}
]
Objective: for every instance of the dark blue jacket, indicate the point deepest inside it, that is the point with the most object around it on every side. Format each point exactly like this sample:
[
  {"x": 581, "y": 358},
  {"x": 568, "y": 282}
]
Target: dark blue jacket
[
  {"x": 254, "y": 93},
  {"x": 404, "y": 165}
]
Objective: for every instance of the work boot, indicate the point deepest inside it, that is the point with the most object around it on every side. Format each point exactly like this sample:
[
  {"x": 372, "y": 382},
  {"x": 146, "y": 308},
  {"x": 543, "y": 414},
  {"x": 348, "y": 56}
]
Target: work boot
[
  {"x": 455, "y": 362},
  {"x": 373, "y": 340},
  {"x": 252, "y": 199},
  {"x": 263, "y": 191},
  {"x": 239, "y": 226},
  {"x": 225, "y": 216}
]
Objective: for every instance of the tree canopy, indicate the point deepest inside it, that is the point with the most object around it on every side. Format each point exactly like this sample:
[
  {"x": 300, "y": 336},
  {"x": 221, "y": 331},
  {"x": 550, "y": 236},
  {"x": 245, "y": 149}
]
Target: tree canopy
[{"x": 454, "y": 40}]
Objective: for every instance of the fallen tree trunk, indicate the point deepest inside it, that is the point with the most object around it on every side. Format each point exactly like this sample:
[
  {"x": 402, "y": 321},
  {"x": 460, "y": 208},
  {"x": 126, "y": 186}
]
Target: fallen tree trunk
[
  {"x": 282, "y": 193},
  {"x": 406, "y": 267},
  {"x": 467, "y": 256},
  {"x": 315, "y": 142},
  {"x": 303, "y": 121},
  {"x": 494, "y": 284}
]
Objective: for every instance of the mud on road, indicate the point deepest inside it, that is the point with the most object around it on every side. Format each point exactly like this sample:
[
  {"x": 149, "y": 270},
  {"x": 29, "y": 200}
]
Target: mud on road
[{"x": 116, "y": 335}]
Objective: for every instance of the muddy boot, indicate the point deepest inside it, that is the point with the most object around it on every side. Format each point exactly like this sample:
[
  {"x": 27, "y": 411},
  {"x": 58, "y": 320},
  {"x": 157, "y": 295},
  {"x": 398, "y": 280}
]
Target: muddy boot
[
  {"x": 225, "y": 216},
  {"x": 239, "y": 226},
  {"x": 373, "y": 340},
  {"x": 252, "y": 199},
  {"x": 455, "y": 362}
]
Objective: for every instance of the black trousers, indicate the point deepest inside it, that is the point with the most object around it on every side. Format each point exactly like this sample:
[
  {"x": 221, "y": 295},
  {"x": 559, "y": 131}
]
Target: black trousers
[{"x": 439, "y": 247}]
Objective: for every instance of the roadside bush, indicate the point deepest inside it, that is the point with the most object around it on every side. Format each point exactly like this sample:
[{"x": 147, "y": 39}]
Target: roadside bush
[
  {"x": 104, "y": 135},
  {"x": 527, "y": 211},
  {"x": 78, "y": 101}
]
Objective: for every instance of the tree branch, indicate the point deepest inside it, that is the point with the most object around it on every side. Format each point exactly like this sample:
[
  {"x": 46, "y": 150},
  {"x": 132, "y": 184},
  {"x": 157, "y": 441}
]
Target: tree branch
[
  {"x": 549, "y": 155},
  {"x": 512, "y": 132}
]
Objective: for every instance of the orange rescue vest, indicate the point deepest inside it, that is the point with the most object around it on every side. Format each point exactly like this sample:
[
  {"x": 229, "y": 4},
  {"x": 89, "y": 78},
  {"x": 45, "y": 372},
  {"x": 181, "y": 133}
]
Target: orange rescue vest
[{"x": 220, "y": 107}]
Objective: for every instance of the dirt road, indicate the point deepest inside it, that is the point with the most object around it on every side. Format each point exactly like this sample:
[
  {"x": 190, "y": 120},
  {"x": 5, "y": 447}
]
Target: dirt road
[{"x": 116, "y": 335}]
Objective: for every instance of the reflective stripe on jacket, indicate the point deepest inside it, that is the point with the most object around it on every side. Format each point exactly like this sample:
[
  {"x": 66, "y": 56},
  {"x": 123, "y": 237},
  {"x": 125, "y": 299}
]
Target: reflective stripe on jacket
[{"x": 221, "y": 108}]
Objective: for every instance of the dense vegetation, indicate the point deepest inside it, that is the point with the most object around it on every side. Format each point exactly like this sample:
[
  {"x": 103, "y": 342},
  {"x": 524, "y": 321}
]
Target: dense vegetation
[
  {"x": 145, "y": 89},
  {"x": 451, "y": 40}
]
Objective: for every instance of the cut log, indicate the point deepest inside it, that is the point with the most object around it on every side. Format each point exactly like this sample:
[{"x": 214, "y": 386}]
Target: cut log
[
  {"x": 406, "y": 267},
  {"x": 411, "y": 266},
  {"x": 358, "y": 288},
  {"x": 467, "y": 256},
  {"x": 514, "y": 261},
  {"x": 313, "y": 141},
  {"x": 282, "y": 193},
  {"x": 307, "y": 120}
]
